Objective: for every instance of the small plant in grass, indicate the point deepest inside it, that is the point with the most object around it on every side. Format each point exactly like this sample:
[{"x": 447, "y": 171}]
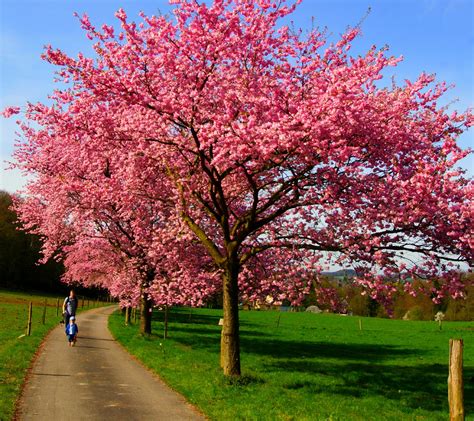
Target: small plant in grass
[{"x": 439, "y": 317}]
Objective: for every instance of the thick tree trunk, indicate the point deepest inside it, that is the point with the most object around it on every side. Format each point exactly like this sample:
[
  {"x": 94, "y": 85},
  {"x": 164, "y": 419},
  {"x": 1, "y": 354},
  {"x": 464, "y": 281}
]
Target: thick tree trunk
[
  {"x": 145, "y": 315},
  {"x": 230, "y": 341}
]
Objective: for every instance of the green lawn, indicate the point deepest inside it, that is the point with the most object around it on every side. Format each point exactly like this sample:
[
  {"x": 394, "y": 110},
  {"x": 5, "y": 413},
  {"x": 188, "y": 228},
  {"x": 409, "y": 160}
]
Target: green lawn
[
  {"x": 17, "y": 351},
  {"x": 311, "y": 367}
]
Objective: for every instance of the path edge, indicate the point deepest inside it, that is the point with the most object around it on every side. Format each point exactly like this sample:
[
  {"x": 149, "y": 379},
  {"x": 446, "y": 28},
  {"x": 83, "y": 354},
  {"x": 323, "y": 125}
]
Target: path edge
[
  {"x": 19, "y": 400},
  {"x": 26, "y": 379},
  {"x": 155, "y": 374}
]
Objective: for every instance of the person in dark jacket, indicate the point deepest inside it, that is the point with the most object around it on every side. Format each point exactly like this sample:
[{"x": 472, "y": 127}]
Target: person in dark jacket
[{"x": 69, "y": 306}]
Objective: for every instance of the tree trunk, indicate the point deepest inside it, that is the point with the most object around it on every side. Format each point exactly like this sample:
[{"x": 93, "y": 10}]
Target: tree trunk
[
  {"x": 127, "y": 316},
  {"x": 230, "y": 341},
  {"x": 165, "y": 331},
  {"x": 145, "y": 315}
]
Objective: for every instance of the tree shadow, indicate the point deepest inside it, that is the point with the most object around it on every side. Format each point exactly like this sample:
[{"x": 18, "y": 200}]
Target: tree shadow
[
  {"x": 91, "y": 347},
  {"x": 423, "y": 386},
  {"x": 352, "y": 370},
  {"x": 253, "y": 342},
  {"x": 185, "y": 316},
  {"x": 277, "y": 348},
  {"x": 95, "y": 339},
  {"x": 50, "y": 374}
]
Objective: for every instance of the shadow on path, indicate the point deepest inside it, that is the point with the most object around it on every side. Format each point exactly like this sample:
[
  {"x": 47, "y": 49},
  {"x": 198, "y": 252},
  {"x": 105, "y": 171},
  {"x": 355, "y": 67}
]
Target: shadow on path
[
  {"x": 48, "y": 374},
  {"x": 95, "y": 339},
  {"x": 99, "y": 371}
]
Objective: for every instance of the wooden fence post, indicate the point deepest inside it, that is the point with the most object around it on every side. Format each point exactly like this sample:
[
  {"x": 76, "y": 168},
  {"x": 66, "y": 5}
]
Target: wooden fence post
[
  {"x": 455, "y": 381},
  {"x": 30, "y": 315},
  {"x": 43, "y": 319}
]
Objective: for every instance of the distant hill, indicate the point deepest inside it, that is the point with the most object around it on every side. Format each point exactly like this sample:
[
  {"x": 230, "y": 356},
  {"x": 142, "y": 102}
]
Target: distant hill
[{"x": 350, "y": 273}]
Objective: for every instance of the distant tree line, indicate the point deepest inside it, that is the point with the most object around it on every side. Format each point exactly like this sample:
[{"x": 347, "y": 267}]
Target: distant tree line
[
  {"x": 19, "y": 254},
  {"x": 350, "y": 299}
]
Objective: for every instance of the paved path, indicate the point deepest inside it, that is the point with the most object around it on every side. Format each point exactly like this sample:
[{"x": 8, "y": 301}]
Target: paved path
[{"x": 96, "y": 380}]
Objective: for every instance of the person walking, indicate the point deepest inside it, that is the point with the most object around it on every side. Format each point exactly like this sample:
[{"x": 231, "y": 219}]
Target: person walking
[
  {"x": 71, "y": 331},
  {"x": 69, "y": 306}
]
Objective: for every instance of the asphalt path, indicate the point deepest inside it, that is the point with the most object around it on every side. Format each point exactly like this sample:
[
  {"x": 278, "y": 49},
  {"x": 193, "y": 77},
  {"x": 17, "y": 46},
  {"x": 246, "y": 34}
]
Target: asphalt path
[{"x": 96, "y": 380}]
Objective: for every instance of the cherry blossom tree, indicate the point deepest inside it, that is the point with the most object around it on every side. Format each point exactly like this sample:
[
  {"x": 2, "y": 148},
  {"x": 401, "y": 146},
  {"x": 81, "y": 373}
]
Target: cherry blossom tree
[
  {"x": 103, "y": 250},
  {"x": 104, "y": 235},
  {"x": 271, "y": 145}
]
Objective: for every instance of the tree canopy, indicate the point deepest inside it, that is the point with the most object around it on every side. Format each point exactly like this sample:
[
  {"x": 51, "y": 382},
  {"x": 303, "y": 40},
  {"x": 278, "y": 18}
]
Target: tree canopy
[{"x": 250, "y": 150}]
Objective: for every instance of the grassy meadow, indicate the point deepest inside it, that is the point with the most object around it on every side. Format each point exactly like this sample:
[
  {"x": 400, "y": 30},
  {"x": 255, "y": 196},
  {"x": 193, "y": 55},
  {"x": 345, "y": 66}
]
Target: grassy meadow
[
  {"x": 301, "y": 366},
  {"x": 17, "y": 351}
]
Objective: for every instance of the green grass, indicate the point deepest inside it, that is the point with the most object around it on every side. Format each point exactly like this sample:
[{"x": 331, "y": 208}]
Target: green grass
[
  {"x": 312, "y": 367},
  {"x": 16, "y": 351}
]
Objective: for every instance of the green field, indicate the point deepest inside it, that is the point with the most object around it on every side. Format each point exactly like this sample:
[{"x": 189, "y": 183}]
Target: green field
[
  {"x": 17, "y": 351},
  {"x": 301, "y": 366}
]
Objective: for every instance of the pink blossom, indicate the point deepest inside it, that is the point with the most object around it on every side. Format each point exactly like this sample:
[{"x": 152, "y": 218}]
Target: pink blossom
[
  {"x": 211, "y": 148},
  {"x": 9, "y": 111}
]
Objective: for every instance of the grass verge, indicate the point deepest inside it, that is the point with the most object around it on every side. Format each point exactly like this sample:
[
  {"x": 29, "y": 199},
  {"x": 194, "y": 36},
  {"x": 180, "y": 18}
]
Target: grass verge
[{"x": 300, "y": 366}]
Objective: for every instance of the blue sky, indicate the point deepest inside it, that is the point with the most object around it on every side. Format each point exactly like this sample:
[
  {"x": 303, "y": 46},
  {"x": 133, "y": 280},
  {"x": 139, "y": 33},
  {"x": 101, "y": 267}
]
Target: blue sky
[{"x": 436, "y": 36}]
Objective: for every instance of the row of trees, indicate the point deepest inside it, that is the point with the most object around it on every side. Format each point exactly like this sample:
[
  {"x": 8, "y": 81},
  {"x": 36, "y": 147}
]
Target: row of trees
[
  {"x": 19, "y": 254},
  {"x": 349, "y": 298},
  {"x": 220, "y": 151}
]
